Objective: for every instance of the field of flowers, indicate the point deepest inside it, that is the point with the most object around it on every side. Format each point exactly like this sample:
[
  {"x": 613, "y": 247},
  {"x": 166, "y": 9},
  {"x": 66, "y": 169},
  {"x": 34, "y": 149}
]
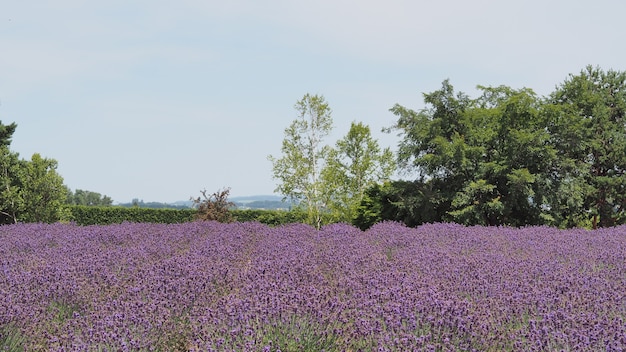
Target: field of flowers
[{"x": 206, "y": 286}]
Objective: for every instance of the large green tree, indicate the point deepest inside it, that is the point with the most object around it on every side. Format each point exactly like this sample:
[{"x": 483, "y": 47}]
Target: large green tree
[
  {"x": 356, "y": 163},
  {"x": 12, "y": 171},
  {"x": 487, "y": 155},
  {"x": 43, "y": 191},
  {"x": 300, "y": 167},
  {"x": 30, "y": 190},
  {"x": 588, "y": 127},
  {"x": 508, "y": 186}
]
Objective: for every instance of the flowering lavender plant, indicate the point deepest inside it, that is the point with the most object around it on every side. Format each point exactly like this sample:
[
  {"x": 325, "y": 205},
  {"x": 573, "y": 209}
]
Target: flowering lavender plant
[{"x": 208, "y": 286}]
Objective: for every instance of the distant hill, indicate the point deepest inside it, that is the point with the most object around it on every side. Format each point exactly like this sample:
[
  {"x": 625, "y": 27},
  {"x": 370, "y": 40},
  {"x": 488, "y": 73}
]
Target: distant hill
[
  {"x": 261, "y": 202},
  {"x": 255, "y": 198}
]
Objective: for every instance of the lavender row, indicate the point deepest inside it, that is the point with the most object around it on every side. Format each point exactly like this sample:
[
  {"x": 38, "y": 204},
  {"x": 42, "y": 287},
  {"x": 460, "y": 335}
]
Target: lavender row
[{"x": 206, "y": 286}]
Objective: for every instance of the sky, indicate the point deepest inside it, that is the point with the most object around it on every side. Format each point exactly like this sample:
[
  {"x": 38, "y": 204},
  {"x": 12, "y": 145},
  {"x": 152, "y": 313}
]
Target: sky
[{"x": 157, "y": 100}]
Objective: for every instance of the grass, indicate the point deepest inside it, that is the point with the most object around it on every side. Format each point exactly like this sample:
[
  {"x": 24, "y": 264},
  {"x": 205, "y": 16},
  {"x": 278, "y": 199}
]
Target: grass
[
  {"x": 299, "y": 334},
  {"x": 11, "y": 339}
]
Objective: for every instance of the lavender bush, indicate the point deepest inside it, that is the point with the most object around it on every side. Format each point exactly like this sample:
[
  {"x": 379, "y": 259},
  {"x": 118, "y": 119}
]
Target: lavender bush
[{"x": 206, "y": 286}]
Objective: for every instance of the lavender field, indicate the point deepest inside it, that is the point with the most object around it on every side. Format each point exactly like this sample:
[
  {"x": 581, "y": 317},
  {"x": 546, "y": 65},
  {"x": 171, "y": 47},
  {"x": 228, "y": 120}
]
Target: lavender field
[{"x": 206, "y": 286}]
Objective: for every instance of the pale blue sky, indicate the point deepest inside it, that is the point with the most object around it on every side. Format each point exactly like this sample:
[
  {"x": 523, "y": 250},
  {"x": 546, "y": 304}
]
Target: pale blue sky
[{"x": 157, "y": 100}]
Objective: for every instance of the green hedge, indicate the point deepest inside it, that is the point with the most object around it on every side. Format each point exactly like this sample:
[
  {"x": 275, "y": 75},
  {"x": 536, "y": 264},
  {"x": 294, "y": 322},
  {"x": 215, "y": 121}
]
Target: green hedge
[
  {"x": 103, "y": 215},
  {"x": 270, "y": 217}
]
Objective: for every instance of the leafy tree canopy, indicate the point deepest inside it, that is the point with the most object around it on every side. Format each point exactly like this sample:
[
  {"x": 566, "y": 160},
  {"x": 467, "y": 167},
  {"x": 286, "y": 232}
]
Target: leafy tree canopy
[
  {"x": 88, "y": 198},
  {"x": 303, "y": 154},
  {"x": 509, "y": 157},
  {"x": 30, "y": 190},
  {"x": 587, "y": 122},
  {"x": 6, "y": 133},
  {"x": 354, "y": 164},
  {"x": 486, "y": 152}
]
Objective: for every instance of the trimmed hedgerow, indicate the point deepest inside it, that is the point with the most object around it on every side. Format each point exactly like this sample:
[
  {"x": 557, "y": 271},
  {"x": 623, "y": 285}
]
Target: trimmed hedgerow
[
  {"x": 270, "y": 217},
  {"x": 95, "y": 215},
  {"x": 90, "y": 215}
]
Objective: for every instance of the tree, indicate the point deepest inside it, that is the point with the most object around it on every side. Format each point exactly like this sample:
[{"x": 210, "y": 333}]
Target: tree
[
  {"x": 215, "y": 207},
  {"x": 410, "y": 202},
  {"x": 11, "y": 172},
  {"x": 6, "y": 133},
  {"x": 11, "y": 181},
  {"x": 488, "y": 155},
  {"x": 43, "y": 191},
  {"x": 356, "y": 163},
  {"x": 431, "y": 136},
  {"x": 299, "y": 169},
  {"x": 509, "y": 178},
  {"x": 587, "y": 123},
  {"x": 32, "y": 191},
  {"x": 88, "y": 198}
]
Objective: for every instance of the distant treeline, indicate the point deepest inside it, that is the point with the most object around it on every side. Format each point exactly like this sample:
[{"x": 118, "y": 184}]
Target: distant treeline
[
  {"x": 136, "y": 203},
  {"x": 263, "y": 204},
  {"x": 266, "y": 204}
]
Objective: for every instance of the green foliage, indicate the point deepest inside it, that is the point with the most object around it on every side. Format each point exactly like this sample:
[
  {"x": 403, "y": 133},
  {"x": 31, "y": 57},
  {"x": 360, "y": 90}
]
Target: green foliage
[
  {"x": 43, "y": 191},
  {"x": 214, "y": 207},
  {"x": 510, "y": 158},
  {"x": 11, "y": 338},
  {"x": 328, "y": 183},
  {"x": 488, "y": 156},
  {"x": 103, "y": 215},
  {"x": 410, "y": 202},
  {"x": 431, "y": 137},
  {"x": 62, "y": 310},
  {"x": 587, "y": 122},
  {"x": 6, "y": 133},
  {"x": 270, "y": 217},
  {"x": 82, "y": 197},
  {"x": 299, "y": 334},
  {"x": 299, "y": 169},
  {"x": 11, "y": 179},
  {"x": 478, "y": 203},
  {"x": 356, "y": 163},
  {"x": 32, "y": 191},
  {"x": 141, "y": 204}
]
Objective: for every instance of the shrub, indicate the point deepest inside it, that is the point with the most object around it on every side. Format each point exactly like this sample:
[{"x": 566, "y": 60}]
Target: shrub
[
  {"x": 214, "y": 207},
  {"x": 101, "y": 215},
  {"x": 270, "y": 217}
]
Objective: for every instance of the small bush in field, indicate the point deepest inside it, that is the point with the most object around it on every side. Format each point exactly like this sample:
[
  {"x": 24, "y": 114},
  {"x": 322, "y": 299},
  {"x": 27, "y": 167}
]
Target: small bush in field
[{"x": 214, "y": 207}]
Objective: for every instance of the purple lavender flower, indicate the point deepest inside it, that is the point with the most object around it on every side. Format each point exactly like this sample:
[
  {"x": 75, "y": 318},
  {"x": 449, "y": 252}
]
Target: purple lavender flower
[{"x": 206, "y": 286}]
